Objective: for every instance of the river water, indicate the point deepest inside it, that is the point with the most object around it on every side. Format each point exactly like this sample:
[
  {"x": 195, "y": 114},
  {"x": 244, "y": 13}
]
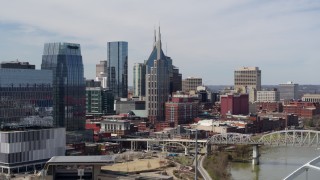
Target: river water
[{"x": 277, "y": 163}]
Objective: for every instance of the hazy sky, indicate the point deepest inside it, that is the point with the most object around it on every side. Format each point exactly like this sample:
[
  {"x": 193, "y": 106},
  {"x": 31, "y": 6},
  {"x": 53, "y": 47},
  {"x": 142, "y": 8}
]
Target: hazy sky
[{"x": 205, "y": 38}]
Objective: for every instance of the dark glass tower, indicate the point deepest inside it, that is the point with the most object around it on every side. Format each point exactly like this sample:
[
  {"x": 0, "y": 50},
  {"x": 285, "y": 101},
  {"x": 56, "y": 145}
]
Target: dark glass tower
[
  {"x": 118, "y": 68},
  {"x": 65, "y": 60}
]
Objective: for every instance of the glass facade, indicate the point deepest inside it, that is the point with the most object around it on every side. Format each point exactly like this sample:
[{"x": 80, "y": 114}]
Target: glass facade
[
  {"x": 25, "y": 98},
  {"x": 65, "y": 61},
  {"x": 139, "y": 79},
  {"x": 118, "y": 68}
]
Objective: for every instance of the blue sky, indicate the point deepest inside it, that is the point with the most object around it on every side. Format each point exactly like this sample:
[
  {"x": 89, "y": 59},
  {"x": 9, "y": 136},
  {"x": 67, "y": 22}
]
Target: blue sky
[{"x": 207, "y": 38}]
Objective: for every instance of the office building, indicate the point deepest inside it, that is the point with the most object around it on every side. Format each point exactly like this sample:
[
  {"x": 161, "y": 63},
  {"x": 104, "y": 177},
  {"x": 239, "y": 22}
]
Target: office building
[
  {"x": 65, "y": 61},
  {"x": 125, "y": 106},
  {"x": 175, "y": 80},
  {"x": 139, "y": 79},
  {"x": 118, "y": 68},
  {"x": 29, "y": 149},
  {"x": 25, "y": 98},
  {"x": 311, "y": 98},
  {"x": 158, "y": 68},
  {"x": 102, "y": 69},
  {"x": 102, "y": 73},
  {"x": 181, "y": 110},
  {"x": 99, "y": 101},
  {"x": 191, "y": 84},
  {"x": 17, "y": 65},
  {"x": 288, "y": 91},
  {"x": 234, "y": 104},
  {"x": 306, "y": 110},
  {"x": 93, "y": 83},
  {"x": 119, "y": 127},
  {"x": 26, "y": 120},
  {"x": 248, "y": 80},
  {"x": 268, "y": 96}
]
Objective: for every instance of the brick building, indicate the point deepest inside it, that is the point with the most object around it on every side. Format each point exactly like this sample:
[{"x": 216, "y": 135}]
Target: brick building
[
  {"x": 269, "y": 107},
  {"x": 234, "y": 104},
  {"x": 302, "y": 109},
  {"x": 180, "y": 110}
]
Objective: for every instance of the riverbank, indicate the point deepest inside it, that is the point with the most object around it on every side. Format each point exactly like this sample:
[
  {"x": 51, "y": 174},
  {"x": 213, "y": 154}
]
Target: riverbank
[{"x": 218, "y": 163}]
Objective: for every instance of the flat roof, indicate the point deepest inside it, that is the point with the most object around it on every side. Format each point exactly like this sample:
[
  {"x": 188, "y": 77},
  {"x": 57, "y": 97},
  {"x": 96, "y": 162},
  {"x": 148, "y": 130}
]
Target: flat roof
[{"x": 56, "y": 160}]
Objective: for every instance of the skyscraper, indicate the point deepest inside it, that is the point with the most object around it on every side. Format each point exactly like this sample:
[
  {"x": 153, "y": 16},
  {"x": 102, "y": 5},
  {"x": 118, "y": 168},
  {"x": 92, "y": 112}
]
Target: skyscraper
[
  {"x": 102, "y": 73},
  {"x": 118, "y": 68},
  {"x": 158, "y": 68},
  {"x": 65, "y": 61},
  {"x": 139, "y": 79}
]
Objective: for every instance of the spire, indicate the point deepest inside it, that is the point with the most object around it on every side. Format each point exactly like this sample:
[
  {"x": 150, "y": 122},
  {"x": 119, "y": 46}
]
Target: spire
[
  {"x": 155, "y": 38},
  {"x": 158, "y": 45},
  {"x": 159, "y": 36}
]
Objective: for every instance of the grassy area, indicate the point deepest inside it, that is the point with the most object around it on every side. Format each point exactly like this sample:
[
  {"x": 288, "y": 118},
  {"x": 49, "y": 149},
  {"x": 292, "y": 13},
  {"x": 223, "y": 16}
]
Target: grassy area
[{"x": 184, "y": 160}]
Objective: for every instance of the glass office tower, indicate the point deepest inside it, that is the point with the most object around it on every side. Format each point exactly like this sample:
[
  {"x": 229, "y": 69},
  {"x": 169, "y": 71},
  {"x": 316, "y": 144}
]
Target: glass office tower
[
  {"x": 118, "y": 68},
  {"x": 65, "y": 60},
  {"x": 25, "y": 98}
]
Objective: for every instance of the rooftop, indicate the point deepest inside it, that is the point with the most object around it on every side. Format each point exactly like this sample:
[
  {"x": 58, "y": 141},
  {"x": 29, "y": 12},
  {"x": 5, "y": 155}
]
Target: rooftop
[{"x": 82, "y": 159}]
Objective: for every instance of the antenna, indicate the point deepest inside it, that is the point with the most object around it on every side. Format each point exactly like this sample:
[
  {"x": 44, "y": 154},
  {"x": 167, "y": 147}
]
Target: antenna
[{"x": 166, "y": 50}]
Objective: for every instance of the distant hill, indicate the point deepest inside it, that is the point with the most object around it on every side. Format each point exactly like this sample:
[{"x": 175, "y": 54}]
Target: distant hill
[{"x": 303, "y": 89}]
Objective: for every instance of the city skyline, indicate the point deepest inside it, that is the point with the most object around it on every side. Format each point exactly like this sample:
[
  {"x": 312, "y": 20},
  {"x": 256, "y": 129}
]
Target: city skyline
[{"x": 279, "y": 37}]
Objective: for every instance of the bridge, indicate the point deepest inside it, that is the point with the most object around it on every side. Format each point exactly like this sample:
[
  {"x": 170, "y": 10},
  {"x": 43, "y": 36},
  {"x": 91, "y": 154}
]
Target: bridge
[
  {"x": 293, "y": 138},
  {"x": 277, "y": 138}
]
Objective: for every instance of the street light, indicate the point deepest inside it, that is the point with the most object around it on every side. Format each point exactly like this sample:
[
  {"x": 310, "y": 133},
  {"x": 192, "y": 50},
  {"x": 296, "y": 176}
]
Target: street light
[{"x": 196, "y": 156}]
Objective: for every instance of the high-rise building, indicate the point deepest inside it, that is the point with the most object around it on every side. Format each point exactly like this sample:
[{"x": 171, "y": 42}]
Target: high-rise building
[
  {"x": 102, "y": 73},
  {"x": 118, "y": 68},
  {"x": 139, "y": 79},
  {"x": 247, "y": 78},
  {"x": 175, "y": 80},
  {"x": 26, "y": 119},
  {"x": 288, "y": 91},
  {"x": 191, "y": 84},
  {"x": 99, "y": 101},
  {"x": 65, "y": 61},
  {"x": 158, "y": 68}
]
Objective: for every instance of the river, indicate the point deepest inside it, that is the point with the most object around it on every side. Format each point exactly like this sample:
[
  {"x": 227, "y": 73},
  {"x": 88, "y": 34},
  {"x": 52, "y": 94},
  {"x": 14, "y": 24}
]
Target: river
[{"x": 277, "y": 163}]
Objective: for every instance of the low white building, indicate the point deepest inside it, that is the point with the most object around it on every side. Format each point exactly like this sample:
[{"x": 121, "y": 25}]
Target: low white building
[{"x": 311, "y": 98}]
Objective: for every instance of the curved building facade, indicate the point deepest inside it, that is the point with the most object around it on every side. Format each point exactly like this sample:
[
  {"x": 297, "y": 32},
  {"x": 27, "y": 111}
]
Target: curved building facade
[{"x": 65, "y": 61}]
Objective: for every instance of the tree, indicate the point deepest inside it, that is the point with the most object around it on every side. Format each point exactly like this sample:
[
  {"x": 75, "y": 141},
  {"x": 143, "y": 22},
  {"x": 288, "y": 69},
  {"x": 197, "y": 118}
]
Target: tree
[{"x": 149, "y": 165}]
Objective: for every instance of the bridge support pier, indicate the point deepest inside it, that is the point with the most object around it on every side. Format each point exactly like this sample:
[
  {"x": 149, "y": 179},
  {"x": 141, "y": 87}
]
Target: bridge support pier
[
  {"x": 147, "y": 146},
  {"x": 208, "y": 149},
  {"x": 255, "y": 155},
  {"x": 186, "y": 152}
]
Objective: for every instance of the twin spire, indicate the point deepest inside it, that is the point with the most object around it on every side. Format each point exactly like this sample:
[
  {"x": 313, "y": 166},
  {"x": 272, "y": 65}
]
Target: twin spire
[{"x": 155, "y": 38}]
